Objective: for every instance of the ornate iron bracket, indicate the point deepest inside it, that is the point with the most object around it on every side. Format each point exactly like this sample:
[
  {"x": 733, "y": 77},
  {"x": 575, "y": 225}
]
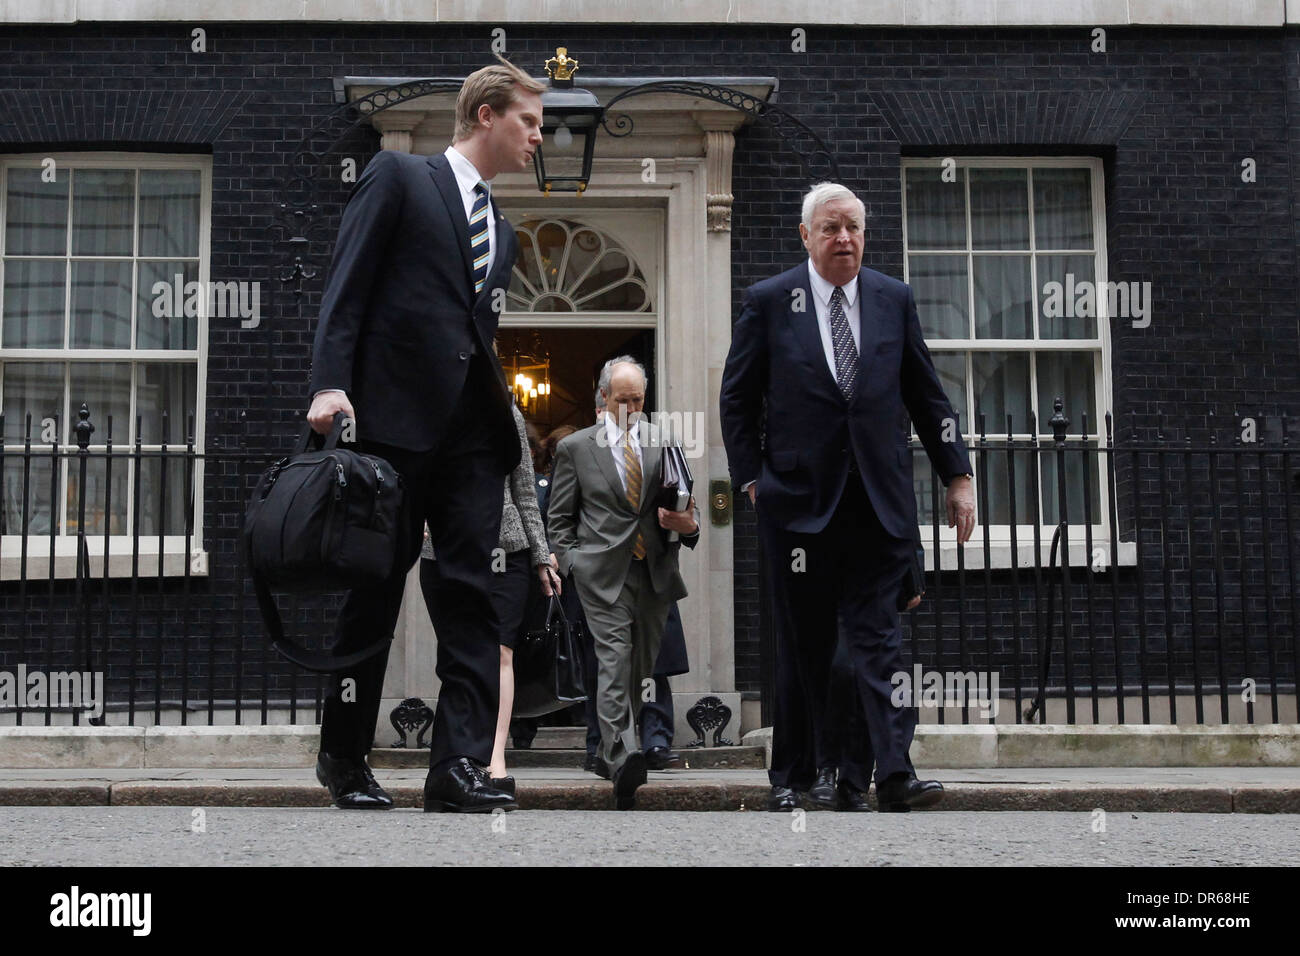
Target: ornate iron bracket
[
  {"x": 709, "y": 713},
  {"x": 303, "y": 249},
  {"x": 407, "y": 716},
  {"x": 785, "y": 124}
]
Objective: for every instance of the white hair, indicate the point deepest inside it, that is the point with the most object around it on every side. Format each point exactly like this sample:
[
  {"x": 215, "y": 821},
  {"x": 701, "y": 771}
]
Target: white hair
[
  {"x": 607, "y": 371},
  {"x": 823, "y": 193}
]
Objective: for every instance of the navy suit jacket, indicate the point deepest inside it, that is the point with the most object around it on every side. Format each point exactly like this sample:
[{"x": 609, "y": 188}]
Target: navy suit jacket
[
  {"x": 399, "y": 319},
  {"x": 777, "y": 360}
]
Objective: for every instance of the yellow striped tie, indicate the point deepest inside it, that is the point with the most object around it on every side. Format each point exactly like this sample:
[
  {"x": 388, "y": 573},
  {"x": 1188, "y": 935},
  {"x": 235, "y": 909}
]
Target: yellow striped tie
[{"x": 633, "y": 466}]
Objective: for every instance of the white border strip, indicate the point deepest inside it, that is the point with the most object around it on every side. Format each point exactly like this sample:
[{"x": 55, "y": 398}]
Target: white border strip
[{"x": 837, "y": 13}]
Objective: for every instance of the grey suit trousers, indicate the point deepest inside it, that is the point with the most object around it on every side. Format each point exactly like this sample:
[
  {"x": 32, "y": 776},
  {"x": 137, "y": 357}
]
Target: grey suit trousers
[{"x": 626, "y": 635}]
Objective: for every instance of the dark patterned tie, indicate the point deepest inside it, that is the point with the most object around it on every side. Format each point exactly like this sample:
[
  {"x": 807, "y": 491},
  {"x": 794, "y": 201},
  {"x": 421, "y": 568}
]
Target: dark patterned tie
[
  {"x": 846, "y": 353},
  {"x": 478, "y": 237}
]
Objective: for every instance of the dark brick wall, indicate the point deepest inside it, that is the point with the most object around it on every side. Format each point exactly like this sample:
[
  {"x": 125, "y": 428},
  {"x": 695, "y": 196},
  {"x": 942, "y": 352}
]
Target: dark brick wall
[{"x": 1172, "y": 113}]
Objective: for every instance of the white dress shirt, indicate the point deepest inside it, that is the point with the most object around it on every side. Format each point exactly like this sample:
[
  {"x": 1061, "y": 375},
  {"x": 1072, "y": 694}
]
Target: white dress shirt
[
  {"x": 821, "y": 290},
  {"x": 467, "y": 178},
  {"x": 614, "y": 438}
]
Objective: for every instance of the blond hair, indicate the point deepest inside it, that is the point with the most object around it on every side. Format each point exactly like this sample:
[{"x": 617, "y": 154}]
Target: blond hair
[{"x": 497, "y": 86}]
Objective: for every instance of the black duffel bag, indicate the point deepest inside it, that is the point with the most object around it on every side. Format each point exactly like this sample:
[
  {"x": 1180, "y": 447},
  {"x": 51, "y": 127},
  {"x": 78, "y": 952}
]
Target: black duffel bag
[
  {"x": 548, "y": 666},
  {"x": 321, "y": 520}
]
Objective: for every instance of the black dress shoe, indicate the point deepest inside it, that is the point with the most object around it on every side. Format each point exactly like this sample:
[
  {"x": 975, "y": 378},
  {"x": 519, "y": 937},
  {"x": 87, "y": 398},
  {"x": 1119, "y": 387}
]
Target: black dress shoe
[
  {"x": 589, "y": 764},
  {"x": 661, "y": 758},
  {"x": 461, "y": 787},
  {"x": 902, "y": 792},
  {"x": 822, "y": 793},
  {"x": 372, "y": 785},
  {"x": 599, "y": 767},
  {"x": 628, "y": 777},
  {"x": 851, "y": 798},
  {"x": 782, "y": 798},
  {"x": 505, "y": 784},
  {"x": 350, "y": 783}
]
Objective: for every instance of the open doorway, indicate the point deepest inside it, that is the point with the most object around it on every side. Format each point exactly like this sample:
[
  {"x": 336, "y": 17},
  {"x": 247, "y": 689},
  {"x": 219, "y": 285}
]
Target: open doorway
[{"x": 572, "y": 359}]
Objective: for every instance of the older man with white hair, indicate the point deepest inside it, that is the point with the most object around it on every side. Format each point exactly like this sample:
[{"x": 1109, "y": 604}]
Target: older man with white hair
[
  {"x": 608, "y": 533},
  {"x": 834, "y": 356}
]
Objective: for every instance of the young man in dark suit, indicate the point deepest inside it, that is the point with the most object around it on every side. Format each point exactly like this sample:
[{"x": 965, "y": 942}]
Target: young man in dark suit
[
  {"x": 404, "y": 348},
  {"x": 834, "y": 354}
]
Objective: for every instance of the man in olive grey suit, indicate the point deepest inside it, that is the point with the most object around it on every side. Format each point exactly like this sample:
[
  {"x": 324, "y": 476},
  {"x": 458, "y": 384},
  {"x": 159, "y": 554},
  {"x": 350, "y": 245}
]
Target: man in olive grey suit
[{"x": 607, "y": 532}]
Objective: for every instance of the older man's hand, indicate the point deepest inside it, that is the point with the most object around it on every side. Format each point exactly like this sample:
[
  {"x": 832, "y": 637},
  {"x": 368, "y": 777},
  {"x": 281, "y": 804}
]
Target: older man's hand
[
  {"x": 961, "y": 507},
  {"x": 683, "y": 522}
]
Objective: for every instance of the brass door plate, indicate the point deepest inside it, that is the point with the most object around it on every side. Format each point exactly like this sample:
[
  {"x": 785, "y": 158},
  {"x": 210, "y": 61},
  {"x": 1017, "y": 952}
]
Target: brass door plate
[{"x": 720, "y": 502}]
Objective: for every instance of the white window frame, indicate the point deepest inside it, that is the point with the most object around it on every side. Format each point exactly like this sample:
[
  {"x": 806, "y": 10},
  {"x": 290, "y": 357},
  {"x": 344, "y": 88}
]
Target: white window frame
[
  {"x": 120, "y": 546},
  {"x": 999, "y": 536}
]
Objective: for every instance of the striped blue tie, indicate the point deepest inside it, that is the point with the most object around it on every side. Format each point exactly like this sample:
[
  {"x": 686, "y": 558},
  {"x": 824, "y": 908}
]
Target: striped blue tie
[{"x": 478, "y": 237}]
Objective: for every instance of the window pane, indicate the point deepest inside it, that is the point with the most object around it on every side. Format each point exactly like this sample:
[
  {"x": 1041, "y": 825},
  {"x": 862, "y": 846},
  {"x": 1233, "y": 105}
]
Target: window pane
[
  {"x": 34, "y": 388},
  {"x": 951, "y": 369},
  {"x": 169, "y": 212},
  {"x": 103, "y": 211},
  {"x": 165, "y": 387},
  {"x": 1068, "y": 376},
  {"x": 101, "y": 305},
  {"x": 936, "y": 210},
  {"x": 999, "y": 208},
  {"x": 940, "y": 286},
  {"x": 105, "y": 389},
  {"x": 155, "y": 498},
  {"x": 34, "y": 298},
  {"x": 583, "y": 249},
  {"x": 1062, "y": 209},
  {"x": 1001, "y": 388},
  {"x": 1003, "y": 300},
  {"x": 626, "y": 296},
  {"x": 551, "y": 240},
  {"x": 38, "y": 494},
  {"x": 36, "y": 214},
  {"x": 1067, "y": 310},
  {"x": 999, "y": 485},
  {"x": 178, "y": 331},
  {"x": 105, "y": 510},
  {"x": 1075, "y": 460}
]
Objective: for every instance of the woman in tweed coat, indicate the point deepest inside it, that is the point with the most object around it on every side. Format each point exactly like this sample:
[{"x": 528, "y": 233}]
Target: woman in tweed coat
[{"x": 521, "y": 552}]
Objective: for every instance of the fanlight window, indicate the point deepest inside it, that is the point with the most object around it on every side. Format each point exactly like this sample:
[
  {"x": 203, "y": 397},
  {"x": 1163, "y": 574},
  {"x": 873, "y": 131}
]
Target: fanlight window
[{"x": 566, "y": 266}]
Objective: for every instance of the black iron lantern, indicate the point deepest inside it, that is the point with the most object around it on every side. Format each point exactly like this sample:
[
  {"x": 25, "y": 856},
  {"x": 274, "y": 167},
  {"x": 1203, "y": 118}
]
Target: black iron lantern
[{"x": 570, "y": 116}]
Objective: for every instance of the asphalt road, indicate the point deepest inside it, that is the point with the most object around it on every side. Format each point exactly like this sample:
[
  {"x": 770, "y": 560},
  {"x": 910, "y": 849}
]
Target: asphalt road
[{"x": 183, "y": 836}]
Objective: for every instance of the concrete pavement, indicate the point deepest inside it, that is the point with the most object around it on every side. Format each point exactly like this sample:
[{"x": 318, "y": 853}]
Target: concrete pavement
[
  {"x": 224, "y": 836},
  {"x": 1135, "y": 789}
]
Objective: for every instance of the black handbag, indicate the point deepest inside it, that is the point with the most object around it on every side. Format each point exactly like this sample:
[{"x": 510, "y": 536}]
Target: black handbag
[
  {"x": 320, "y": 520},
  {"x": 548, "y": 666}
]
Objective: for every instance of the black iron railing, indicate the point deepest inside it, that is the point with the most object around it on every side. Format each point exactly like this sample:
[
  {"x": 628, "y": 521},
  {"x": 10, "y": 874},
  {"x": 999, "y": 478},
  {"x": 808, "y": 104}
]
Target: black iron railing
[
  {"x": 1184, "y": 593},
  {"x": 1110, "y": 579}
]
